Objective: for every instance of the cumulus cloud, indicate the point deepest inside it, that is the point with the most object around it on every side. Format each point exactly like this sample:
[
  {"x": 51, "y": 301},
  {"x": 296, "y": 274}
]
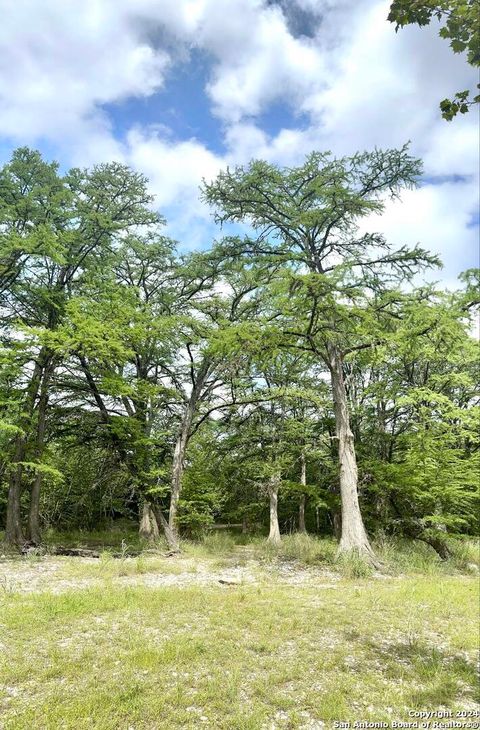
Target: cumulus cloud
[
  {"x": 258, "y": 61},
  {"x": 436, "y": 216},
  {"x": 171, "y": 165},
  {"x": 60, "y": 61},
  {"x": 337, "y": 65}
]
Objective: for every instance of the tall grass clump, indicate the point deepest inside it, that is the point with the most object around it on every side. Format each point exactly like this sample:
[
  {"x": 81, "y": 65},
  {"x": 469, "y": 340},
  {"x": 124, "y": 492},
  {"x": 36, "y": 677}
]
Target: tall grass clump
[
  {"x": 399, "y": 556},
  {"x": 307, "y": 549},
  {"x": 217, "y": 543},
  {"x": 302, "y": 548},
  {"x": 465, "y": 555},
  {"x": 352, "y": 565}
]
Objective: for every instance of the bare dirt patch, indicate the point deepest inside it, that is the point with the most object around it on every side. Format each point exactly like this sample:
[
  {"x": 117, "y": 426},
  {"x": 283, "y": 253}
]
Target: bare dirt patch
[{"x": 60, "y": 574}]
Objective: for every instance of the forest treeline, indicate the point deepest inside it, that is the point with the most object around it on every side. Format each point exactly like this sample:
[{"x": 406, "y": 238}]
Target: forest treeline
[{"x": 294, "y": 374}]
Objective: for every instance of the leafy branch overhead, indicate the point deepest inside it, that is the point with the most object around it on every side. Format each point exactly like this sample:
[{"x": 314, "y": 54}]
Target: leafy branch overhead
[{"x": 460, "y": 24}]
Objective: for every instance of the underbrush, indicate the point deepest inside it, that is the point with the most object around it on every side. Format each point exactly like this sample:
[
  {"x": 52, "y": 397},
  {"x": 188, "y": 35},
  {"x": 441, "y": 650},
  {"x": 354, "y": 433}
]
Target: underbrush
[
  {"x": 466, "y": 555},
  {"x": 395, "y": 556},
  {"x": 212, "y": 544},
  {"x": 412, "y": 556},
  {"x": 113, "y": 537},
  {"x": 123, "y": 552}
]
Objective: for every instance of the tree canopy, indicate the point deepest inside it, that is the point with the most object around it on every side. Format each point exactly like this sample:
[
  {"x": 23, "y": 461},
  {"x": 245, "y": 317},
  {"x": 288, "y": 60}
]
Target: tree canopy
[{"x": 297, "y": 377}]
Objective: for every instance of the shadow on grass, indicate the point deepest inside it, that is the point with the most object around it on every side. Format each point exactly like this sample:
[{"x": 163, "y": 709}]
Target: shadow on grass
[{"x": 442, "y": 676}]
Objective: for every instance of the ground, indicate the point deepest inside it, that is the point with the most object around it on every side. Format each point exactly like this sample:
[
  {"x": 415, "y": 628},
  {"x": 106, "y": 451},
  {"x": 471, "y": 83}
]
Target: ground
[{"x": 236, "y": 639}]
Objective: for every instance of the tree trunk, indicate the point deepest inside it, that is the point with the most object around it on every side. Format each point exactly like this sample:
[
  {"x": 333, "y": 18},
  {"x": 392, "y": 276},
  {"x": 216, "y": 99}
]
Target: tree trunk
[
  {"x": 337, "y": 524},
  {"x": 354, "y": 536},
  {"x": 14, "y": 533},
  {"x": 303, "y": 482},
  {"x": 34, "y": 512},
  {"x": 438, "y": 544},
  {"x": 274, "y": 534},
  {"x": 301, "y": 514},
  {"x": 34, "y": 535},
  {"x": 181, "y": 446},
  {"x": 170, "y": 536},
  {"x": 177, "y": 470},
  {"x": 148, "y": 528}
]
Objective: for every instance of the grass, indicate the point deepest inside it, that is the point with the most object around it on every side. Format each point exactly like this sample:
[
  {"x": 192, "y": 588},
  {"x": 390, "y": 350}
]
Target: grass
[
  {"x": 236, "y": 657},
  {"x": 396, "y": 555},
  {"x": 353, "y": 646},
  {"x": 109, "y": 567}
]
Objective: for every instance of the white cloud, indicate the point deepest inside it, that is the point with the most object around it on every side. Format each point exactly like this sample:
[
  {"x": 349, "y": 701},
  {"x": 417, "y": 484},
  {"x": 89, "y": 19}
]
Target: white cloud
[
  {"x": 175, "y": 169},
  {"x": 357, "y": 82},
  {"x": 453, "y": 147},
  {"x": 258, "y": 61},
  {"x": 59, "y": 61},
  {"x": 437, "y": 217}
]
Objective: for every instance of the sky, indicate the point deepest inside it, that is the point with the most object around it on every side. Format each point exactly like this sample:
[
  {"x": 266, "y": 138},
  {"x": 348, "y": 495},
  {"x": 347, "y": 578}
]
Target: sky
[{"x": 179, "y": 89}]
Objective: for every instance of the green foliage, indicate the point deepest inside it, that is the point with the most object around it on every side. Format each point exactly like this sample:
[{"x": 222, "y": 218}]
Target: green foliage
[
  {"x": 460, "y": 25},
  {"x": 115, "y": 351}
]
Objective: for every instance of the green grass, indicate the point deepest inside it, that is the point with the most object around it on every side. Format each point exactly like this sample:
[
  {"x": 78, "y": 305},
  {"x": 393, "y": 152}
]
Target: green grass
[
  {"x": 396, "y": 555},
  {"x": 109, "y": 567},
  {"x": 236, "y": 657},
  {"x": 347, "y": 644}
]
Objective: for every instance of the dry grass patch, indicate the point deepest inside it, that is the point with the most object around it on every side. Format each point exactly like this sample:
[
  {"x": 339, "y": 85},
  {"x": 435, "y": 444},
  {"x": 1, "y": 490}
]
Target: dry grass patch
[{"x": 237, "y": 657}]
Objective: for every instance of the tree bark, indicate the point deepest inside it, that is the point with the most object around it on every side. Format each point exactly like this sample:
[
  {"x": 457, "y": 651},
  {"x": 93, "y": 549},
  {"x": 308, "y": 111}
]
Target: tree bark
[
  {"x": 34, "y": 535},
  {"x": 438, "y": 544},
  {"x": 303, "y": 482},
  {"x": 301, "y": 514},
  {"x": 148, "y": 528},
  {"x": 170, "y": 536},
  {"x": 181, "y": 445},
  {"x": 337, "y": 524},
  {"x": 274, "y": 534},
  {"x": 14, "y": 532},
  {"x": 354, "y": 536},
  {"x": 34, "y": 512}
]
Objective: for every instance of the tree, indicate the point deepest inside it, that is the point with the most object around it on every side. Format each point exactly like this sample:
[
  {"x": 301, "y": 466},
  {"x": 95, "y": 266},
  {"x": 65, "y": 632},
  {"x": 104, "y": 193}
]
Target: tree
[
  {"x": 119, "y": 340},
  {"x": 279, "y": 374},
  {"x": 461, "y": 26},
  {"x": 209, "y": 366},
  {"x": 307, "y": 219},
  {"x": 417, "y": 413},
  {"x": 55, "y": 231}
]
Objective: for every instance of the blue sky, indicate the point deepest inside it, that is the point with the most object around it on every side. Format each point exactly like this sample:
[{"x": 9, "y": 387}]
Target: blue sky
[
  {"x": 180, "y": 89},
  {"x": 182, "y": 108}
]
